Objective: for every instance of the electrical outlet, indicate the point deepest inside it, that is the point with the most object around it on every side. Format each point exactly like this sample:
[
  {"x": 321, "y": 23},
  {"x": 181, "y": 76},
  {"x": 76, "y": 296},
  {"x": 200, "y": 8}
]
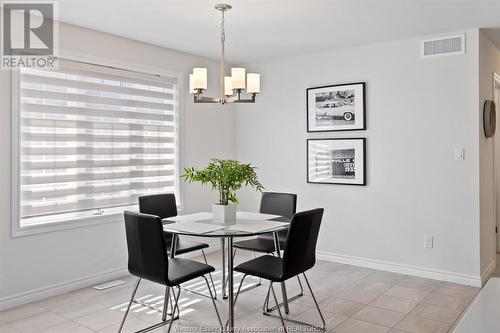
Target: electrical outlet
[
  {"x": 459, "y": 154},
  {"x": 428, "y": 241}
]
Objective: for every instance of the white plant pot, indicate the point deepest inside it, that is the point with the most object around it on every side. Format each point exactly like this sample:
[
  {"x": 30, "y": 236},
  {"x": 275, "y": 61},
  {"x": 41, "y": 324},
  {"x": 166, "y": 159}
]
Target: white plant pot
[{"x": 224, "y": 214}]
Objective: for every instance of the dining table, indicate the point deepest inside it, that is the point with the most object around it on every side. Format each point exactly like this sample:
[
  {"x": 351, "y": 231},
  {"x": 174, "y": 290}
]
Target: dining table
[{"x": 247, "y": 224}]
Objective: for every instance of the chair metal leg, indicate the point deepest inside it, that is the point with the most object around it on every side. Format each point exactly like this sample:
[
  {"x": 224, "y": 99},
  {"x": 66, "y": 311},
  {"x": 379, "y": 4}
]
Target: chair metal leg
[
  {"x": 129, "y": 304},
  {"x": 301, "y": 288},
  {"x": 175, "y": 307},
  {"x": 210, "y": 275},
  {"x": 315, "y": 302},
  {"x": 215, "y": 305},
  {"x": 165, "y": 303},
  {"x": 155, "y": 326},
  {"x": 267, "y": 311},
  {"x": 265, "y": 306},
  {"x": 291, "y": 299},
  {"x": 279, "y": 310},
  {"x": 254, "y": 285}
]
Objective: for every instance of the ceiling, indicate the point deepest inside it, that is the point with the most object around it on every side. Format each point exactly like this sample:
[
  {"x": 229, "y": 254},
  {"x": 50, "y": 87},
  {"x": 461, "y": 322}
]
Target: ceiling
[{"x": 266, "y": 29}]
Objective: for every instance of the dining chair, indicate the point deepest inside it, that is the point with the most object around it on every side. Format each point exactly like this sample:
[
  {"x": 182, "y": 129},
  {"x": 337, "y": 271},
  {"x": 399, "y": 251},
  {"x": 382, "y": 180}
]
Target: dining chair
[
  {"x": 148, "y": 259},
  {"x": 164, "y": 206},
  {"x": 275, "y": 203},
  {"x": 299, "y": 256}
]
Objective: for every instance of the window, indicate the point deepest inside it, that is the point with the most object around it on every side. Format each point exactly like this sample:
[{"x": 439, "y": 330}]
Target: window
[{"x": 91, "y": 139}]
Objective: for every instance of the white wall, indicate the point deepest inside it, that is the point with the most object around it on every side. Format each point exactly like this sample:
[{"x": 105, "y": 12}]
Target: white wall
[
  {"x": 418, "y": 111},
  {"x": 489, "y": 62},
  {"x": 32, "y": 264}
]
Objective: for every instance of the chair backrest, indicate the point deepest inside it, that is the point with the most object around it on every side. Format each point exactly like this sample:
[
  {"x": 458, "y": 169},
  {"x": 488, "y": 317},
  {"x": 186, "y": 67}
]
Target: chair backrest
[
  {"x": 300, "y": 246},
  {"x": 275, "y": 203},
  {"x": 162, "y": 205},
  {"x": 283, "y": 204},
  {"x": 147, "y": 253}
]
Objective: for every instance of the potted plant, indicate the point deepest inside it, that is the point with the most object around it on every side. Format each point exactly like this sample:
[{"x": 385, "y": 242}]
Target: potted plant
[{"x": 227, "y": 177}]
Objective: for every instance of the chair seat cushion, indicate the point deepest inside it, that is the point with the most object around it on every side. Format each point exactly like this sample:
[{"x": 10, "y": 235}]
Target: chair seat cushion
[
  {"x": 266, "y": 267},
  {"x": 182, "y": 270},
  {"x": 258, "y": 245},
  {"x": 184, "y": 246}
]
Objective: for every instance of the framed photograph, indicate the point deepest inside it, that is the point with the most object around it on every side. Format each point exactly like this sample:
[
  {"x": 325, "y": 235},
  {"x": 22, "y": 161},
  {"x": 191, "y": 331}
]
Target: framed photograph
[
  {"x": 336, "y": 161},
  {"x": 336, "y": 108}
]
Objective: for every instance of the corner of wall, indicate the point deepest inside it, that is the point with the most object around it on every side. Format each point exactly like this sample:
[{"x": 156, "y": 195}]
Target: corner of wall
[{"x": 486, "y": 65}]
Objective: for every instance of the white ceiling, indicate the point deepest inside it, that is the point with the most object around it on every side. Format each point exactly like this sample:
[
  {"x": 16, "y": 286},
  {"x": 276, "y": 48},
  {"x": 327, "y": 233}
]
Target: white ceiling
[{"x": 263, "y": 29}]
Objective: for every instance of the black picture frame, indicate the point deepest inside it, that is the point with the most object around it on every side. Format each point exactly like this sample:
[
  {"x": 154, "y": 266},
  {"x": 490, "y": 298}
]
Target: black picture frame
[
  {"x": 341, "y": 128},
  {"x": 361, "y": 180}
]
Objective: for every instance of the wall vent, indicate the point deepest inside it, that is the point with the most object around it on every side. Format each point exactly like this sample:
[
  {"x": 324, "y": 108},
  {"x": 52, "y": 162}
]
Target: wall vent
[{"x": 443, "y": 46}]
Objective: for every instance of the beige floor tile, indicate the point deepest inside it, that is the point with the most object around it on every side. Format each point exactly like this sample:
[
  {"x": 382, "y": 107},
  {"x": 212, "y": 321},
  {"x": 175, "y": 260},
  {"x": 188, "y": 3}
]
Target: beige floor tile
[
  {"x": 372, "y": 286},
  {"x": 356, "y": 295},
  {"x": 421, "y": 325},
  {"x": 67, "y": 327},
  {"x": 418, "y": 283},
  {"x": 394, "y": 303},
  {"x": 101, "y": 319},
  {"x": 434, "y": 312},
  {"x": 342, "y": 307},
  {"x": 386, "y": 277},
  {"x": 395, "y": 330},
  {"x": 407, "y": 293},
  {"x": 358, "y": 326},
  {"x": 446, "y": 301},
  {"x": 256, "y": 322},
  {"x": 312, "y": 317},
  {"x": 79, "y": 309},
  {"x": 20, "y": 312},
  {"x": 131, "y": 325},
  {"x": 67, "y": 299},
  {"x": 37, "y": 322},
  {"x": 379, "y": 316},
  {"x": 7, "y": 329},
  {"x": 456, "y": 290}
]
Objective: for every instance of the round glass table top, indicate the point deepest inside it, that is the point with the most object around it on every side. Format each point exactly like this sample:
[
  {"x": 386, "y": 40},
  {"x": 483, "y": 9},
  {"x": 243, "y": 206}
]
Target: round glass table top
[{"x": 246, "y": 224}]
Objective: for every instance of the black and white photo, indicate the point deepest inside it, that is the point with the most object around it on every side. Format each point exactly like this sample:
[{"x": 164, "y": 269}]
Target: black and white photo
[
  {"x": 336, "y": 161},
  {"x": 336, "y": 108}
]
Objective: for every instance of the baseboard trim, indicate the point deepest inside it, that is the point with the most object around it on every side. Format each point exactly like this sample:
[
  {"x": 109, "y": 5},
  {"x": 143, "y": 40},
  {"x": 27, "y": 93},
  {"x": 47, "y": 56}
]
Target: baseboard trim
[
  {"x": 487, "y": 273},
  {"x": 75, "y": 284},
  {"x": 465, "y": 279},
  {"x": 59, "y": 288}
]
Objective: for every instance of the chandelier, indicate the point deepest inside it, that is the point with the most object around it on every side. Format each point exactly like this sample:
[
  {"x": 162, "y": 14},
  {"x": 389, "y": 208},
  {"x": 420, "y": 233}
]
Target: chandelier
[{"x": 232, "y": 87}]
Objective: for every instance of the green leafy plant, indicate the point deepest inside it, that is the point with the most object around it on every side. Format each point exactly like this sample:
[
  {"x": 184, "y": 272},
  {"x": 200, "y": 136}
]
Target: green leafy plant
[{"x": 226, "y": 176}]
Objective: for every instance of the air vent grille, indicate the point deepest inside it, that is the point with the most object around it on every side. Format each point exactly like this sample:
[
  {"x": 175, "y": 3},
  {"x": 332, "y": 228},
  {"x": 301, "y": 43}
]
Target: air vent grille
[{"x": 443, "y": 46}]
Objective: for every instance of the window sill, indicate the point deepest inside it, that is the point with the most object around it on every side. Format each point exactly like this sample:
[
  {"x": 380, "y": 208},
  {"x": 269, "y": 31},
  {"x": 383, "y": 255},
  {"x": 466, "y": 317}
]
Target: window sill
[
  {"x": 73, "y": 223},
  {"x": 80, "y": 222}
]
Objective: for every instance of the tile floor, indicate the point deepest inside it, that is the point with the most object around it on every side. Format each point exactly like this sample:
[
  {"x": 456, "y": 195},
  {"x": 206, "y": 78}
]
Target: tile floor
[{"x": 353, "y": 299}]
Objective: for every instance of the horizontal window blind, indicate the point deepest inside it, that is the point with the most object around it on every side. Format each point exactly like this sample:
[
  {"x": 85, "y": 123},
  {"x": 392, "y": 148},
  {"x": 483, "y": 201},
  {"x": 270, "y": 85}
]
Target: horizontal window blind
[{"x": 93, "y": 138}]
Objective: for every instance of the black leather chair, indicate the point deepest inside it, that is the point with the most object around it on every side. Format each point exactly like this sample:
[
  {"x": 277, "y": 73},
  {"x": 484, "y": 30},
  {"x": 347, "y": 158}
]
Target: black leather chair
[
  {"x": 284, "y": 204},
  {"x": 164, "y": 205},
  {"x": 275, "y": 203},
  {"x": 148, "y": 259},
  {"x": 298, "y": 257}
]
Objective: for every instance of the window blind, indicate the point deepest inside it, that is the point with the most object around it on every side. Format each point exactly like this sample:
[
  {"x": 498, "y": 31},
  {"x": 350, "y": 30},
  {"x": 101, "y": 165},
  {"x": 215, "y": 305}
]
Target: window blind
[{"x": 93, "y": 138}]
